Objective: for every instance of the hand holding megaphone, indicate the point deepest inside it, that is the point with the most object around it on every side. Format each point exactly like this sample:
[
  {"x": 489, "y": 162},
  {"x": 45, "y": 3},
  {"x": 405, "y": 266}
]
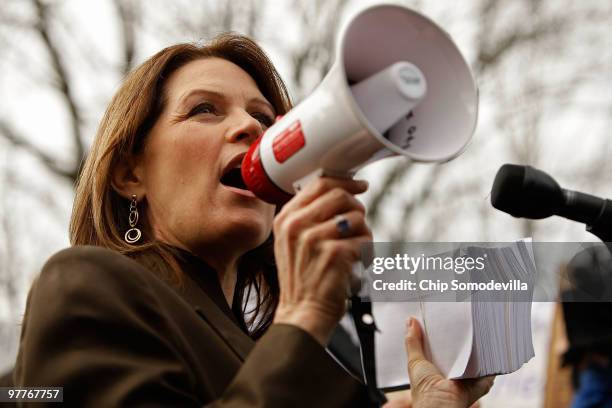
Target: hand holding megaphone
[{"x": 399, "y": 86}]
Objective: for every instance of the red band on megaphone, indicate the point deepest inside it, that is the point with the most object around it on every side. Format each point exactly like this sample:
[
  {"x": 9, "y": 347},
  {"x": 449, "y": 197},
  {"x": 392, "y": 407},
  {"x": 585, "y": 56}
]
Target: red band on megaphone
[
  {"x": 288, "y": 142},
  {"x": 256, "y": 179}
]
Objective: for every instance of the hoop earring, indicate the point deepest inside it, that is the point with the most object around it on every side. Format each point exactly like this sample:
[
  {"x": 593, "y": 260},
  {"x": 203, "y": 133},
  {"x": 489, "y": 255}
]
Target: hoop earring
[{"x": 133, "y": 234}]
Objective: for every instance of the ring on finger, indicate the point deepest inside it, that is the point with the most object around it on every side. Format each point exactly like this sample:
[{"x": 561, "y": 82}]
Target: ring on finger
[{"x": 343, "y": 225}]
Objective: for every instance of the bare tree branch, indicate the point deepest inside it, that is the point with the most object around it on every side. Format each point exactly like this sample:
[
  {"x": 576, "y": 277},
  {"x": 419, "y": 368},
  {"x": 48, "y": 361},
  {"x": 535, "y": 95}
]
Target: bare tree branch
[
  {"x": 227, "y": 16},
  {"x": 253, "y": 18},
  {"x": 492, "y": 53},
  {"x": 376, "y": 203},
  {"x": 12, "y": 136},
  {"x": 410, "y": 206},
  {"x": 315, "y": 51},
  {"x": 127, "y": 11},
  {"x": 63, "y": 85},
  {"x": 8, "y": 279}
]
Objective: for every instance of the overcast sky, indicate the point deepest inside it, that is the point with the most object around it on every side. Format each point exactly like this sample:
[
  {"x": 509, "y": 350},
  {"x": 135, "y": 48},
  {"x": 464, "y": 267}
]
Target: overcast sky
[{"x": 570, "y": 134}]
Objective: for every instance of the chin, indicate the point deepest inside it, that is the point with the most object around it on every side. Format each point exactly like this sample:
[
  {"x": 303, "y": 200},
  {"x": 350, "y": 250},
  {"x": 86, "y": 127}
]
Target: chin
[{"x": 249, "y": 227}]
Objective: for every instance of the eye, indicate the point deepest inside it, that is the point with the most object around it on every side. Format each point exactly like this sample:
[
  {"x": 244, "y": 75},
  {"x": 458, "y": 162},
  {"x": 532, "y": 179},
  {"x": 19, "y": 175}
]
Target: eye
[
  {"x": 205, "y": 107},
  {"x": 264, "y": 119}
]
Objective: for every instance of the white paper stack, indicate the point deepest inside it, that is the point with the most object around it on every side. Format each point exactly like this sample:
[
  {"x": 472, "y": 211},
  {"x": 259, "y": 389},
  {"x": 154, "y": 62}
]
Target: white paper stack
[{"x": 481, "y": 336}]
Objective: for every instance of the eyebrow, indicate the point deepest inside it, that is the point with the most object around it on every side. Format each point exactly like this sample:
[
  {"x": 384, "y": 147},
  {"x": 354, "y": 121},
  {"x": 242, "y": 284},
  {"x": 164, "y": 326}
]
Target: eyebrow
[{"x": 220, "y": 96}]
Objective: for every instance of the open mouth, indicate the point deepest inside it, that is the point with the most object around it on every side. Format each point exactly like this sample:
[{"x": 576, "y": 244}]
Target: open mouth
[{"x": 233, "y": 178}]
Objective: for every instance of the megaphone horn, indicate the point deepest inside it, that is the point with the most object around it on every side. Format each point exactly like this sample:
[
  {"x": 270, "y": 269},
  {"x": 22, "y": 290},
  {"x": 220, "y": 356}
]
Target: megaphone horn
[{"x": 399, "y": 86}]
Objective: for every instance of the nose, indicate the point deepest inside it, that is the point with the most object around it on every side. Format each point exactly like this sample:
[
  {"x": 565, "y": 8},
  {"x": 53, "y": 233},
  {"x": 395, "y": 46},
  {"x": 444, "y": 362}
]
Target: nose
[{"x": 244, "y": 127}]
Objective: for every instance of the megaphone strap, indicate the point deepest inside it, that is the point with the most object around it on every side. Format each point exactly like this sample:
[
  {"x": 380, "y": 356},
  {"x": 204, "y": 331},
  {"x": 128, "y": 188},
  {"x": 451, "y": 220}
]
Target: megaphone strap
[{"x": 361, "y": 313}]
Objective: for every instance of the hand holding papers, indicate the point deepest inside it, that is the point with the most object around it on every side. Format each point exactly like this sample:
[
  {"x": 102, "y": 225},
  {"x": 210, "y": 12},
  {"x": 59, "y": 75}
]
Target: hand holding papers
[
  {"x": 476, "y": 321},
  {"x": 431, "y": 389}
]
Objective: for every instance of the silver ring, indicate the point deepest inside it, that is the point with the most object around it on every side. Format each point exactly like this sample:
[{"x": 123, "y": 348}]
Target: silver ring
[{"x": 343, "y": 225}]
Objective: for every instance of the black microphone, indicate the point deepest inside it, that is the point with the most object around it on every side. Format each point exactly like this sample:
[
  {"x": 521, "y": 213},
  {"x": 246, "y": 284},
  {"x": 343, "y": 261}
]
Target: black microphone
[{"x": 526, "y": 192}]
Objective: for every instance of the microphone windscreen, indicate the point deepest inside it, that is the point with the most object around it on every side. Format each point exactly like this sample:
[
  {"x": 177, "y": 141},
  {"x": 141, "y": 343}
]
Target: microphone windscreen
[
  {"x": 525, "y": 192},
  {"x": 508, "y": 188}
]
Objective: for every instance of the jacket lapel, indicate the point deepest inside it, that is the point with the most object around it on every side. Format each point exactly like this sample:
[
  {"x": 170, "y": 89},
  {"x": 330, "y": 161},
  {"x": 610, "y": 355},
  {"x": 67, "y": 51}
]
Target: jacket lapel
[{"x": 196, "y": 292}]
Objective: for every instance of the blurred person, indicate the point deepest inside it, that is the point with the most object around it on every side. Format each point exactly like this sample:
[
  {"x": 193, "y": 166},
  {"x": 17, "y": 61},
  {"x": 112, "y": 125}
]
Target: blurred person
[
  {"x": 181, "y": 288},
  {"x": 587, "y": 313}
]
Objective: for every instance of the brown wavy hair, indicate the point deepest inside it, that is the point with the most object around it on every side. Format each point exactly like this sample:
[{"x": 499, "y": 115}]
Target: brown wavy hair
[{"x": 99, "y": 215}]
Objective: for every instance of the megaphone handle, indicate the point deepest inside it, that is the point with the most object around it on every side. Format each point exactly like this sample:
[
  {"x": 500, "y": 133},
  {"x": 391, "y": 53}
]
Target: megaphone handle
[{"x": 300, "y": 183}]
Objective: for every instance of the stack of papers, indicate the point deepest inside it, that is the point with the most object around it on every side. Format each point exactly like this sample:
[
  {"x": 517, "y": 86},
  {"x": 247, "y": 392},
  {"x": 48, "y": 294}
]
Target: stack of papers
[{"x": 480, "y": 335}]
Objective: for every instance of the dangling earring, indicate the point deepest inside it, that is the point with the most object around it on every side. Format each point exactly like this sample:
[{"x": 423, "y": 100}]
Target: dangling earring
[{"x": 133, "y": 234}]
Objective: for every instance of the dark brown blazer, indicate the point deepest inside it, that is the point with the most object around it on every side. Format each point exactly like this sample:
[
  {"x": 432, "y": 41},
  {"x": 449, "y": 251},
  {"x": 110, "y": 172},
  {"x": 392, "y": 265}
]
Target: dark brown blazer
[{"x": 112, "y": 333}]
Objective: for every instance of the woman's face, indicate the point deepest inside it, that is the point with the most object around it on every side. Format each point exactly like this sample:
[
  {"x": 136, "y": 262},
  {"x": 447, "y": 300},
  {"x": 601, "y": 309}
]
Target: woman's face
[{"x": 196, "y": 199}]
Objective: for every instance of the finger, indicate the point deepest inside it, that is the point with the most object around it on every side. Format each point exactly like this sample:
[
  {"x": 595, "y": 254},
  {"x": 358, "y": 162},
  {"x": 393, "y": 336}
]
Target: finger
[
  {"x": 398, "y": 399},
  {"x": 320, "y": 186},
  {"x": 414, "y": 340},
  {"x": 332, "y": 202},
  {"x": 349, "y": 224},
  {"x": 339, "y": 256},
  {"x": 323, "y": 208},
  {"x": 343, "y": 250},
  {"x": 398, "y": 403},
  {"x": 479, "y": 387},
  {"x": 419, "y": 368},
  {"x": 335, "y": 260}
]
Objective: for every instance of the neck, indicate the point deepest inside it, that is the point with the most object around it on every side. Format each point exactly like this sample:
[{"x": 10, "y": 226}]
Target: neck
[
  {"x": 227, "y": 272},
  {"x": 223, "y": 262}
]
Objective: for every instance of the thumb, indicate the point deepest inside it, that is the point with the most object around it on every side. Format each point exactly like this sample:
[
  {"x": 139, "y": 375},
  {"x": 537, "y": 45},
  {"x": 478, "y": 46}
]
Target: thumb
[
  {"x": 479, "y": 387},
  {"x": 419, "y": 368}
]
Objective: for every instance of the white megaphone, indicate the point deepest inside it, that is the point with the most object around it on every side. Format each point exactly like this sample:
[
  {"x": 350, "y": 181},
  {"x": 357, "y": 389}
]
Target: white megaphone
[{"x": 399, "y": 86}]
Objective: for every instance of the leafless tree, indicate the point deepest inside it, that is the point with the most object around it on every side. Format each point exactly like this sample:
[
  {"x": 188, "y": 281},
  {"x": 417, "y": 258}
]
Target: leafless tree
[{"x": 510, "y": 42}]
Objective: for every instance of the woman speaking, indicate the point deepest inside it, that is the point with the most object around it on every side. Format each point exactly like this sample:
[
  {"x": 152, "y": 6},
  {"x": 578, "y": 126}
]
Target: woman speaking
[{"x": 174, "y": 292}]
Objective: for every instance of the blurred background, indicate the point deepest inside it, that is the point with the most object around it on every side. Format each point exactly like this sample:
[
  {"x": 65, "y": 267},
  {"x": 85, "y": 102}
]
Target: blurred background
[{"x": 543, "y": 70}]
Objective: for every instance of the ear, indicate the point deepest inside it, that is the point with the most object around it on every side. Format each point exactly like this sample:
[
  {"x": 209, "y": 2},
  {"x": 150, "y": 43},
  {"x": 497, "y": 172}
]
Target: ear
[{"x": 128, "y": 179}]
